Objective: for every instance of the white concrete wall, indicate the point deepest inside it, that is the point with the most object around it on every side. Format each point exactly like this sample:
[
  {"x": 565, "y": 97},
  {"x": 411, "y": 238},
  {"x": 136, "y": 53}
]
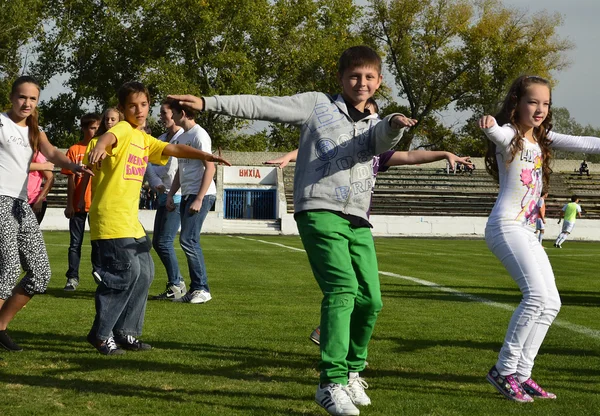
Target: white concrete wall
[
  {"x": 423, "y": 226},
  {"x": 383, "y": 225}
]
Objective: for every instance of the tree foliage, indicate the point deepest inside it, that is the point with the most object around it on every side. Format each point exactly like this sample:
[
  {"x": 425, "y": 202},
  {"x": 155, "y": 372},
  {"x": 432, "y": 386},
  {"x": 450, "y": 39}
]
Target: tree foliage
[
  {"x": 19, "y": 21},
  {"x": 193, "y": 46},
  {"x": 461, "y": 53}
]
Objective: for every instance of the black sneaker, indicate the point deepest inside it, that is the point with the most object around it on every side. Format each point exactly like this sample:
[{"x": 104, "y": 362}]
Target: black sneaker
[
  {"x": 132, "y": 343},
  {"x": 172, "y": 292},
  {"x": 7, "y": 342},
  {"x": 105, "y": 347},
  {"x": 71, "y": 285}
]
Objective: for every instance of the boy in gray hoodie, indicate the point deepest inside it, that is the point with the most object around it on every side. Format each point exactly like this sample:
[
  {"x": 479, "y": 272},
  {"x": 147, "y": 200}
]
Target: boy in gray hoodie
[{"x": 332, "y": 192}]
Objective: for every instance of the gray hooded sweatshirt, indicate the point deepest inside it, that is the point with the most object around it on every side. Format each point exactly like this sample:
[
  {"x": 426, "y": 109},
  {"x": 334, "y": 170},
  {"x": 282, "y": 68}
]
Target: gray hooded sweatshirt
[{"x": 334, "y": 168}]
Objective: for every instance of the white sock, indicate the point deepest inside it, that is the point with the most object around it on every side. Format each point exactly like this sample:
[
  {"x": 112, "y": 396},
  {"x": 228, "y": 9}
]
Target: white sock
[
  {"x": 540, "y": 237},
  {"x": 352, "y": 375}
]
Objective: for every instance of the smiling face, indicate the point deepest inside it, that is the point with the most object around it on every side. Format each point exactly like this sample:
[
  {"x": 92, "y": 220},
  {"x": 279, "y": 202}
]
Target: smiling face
[
  {"x": 136, "y": 109},
  {"x": 534, "y": 106},
  {"x": 359, "y": 84},
  {"x": 24, "y": 100}
]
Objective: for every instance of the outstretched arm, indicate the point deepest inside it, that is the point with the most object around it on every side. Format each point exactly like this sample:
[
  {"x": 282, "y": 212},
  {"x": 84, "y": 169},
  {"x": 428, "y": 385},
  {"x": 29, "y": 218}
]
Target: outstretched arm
[
  {"x": 284, "y": 160},
  {"x": 188, "y": 152},
  {"x": 59, "y": 158},
  {"x": 416, "y": 157}
]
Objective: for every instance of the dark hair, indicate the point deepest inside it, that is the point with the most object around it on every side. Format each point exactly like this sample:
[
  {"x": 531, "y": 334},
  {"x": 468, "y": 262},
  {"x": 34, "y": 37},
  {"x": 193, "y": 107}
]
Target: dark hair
[
  {"x": 133, "y": 87},
  {"x": 508, "y": 114},
  {"x": 574, "y": 198},
  {"x": 371, "y": 101},
  {"x": 89, "y": 119},
  {"x": 32, "y": 119},
  {"x": 175, "y": 105},
  {"x": 358, "y": 56}
]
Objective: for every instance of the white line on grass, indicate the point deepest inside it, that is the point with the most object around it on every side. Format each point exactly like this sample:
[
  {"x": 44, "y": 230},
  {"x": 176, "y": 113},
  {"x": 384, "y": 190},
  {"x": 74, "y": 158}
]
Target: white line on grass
[{"x": 580, "y": 329}]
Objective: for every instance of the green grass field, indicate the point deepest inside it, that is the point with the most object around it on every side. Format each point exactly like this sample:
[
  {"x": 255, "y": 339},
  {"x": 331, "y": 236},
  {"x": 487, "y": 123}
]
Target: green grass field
[{"x": 247, "y": 351}]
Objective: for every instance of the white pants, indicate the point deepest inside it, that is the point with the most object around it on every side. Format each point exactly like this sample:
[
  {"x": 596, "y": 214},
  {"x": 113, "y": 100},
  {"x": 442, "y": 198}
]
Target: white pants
[
  {"x": 568, "y": 226},
  {"x": 527, "y": 263}
]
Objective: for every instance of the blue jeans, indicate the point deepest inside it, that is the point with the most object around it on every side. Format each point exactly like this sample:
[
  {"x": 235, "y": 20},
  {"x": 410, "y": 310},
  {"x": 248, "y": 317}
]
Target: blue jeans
[
  {"x": 189, "y": 238},
  {"x": 76, "y": 231},
  {"x": 166, "y": 225},
  {"x": 126, "y": 269}
]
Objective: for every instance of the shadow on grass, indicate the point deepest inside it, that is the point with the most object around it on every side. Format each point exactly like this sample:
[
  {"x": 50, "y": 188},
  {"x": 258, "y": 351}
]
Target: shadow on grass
[
  {"x": 78, "y": 294},
  {"x": 411, "y": 345},
  {"x": 234, "y": 362},
  {"x": 185, "y": 395},
  {"x": 513, "y": 295}
]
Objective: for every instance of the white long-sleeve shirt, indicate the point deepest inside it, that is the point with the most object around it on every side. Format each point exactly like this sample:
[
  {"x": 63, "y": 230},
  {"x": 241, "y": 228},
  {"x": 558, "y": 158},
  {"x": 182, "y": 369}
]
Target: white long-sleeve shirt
[{"x": 521, "y": 181}]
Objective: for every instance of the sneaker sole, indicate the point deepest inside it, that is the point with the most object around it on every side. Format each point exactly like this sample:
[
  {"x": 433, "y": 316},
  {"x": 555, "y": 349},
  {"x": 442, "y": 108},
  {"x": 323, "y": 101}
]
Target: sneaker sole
[
  {"x": 501, "y": 391},
  {"x": 338, "y": 414},
  {"x": 316, "y": 341}
]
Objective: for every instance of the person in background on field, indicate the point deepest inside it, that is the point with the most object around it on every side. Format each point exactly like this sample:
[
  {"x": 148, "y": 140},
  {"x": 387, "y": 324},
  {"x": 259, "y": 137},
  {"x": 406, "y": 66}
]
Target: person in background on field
[
  {"x": 198, "y": 195},
  {"x": 519, "y": 152},
  {"x": 540, "y": 223},
  {"x": 40, "y": 172},
  {"x": 21, "y": 241},
  {"x": 332, "y": 192},
  {"x": 78, "y": 190},
  {"x": 166, "y": 223},
  {"x": 572, "y": 210},
  {"x": 122, "y": 263}
]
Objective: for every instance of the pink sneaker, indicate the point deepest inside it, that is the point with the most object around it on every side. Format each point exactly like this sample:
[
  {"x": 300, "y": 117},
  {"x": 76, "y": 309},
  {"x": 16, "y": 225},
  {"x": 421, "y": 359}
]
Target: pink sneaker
[
  {"x": 508, "y": 386},
  {"x": 533, "y": 389}
]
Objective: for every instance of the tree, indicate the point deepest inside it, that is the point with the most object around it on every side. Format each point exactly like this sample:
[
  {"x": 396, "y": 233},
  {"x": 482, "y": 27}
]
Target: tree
[
  {"x": 19, "y": 23},
  {"x": 461, "y": 52},
  {"x": 197, "y": 47}
]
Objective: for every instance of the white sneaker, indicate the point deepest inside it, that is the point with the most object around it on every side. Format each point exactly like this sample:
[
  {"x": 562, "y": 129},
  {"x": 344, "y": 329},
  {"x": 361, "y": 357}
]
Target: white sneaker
[
  {"x": 335, "y": 400},
  {"x": 356, "y": 390},
  {"x": 197, "y": 296}
]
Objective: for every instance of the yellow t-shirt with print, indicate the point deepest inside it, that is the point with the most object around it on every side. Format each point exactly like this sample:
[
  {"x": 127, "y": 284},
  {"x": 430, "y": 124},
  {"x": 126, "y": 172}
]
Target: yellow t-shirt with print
[{"x": 116, "y": 185}]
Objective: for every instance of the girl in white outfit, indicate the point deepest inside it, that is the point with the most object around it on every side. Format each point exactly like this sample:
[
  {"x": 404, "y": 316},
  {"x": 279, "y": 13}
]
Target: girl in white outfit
[{"x": 518, "y": 157}]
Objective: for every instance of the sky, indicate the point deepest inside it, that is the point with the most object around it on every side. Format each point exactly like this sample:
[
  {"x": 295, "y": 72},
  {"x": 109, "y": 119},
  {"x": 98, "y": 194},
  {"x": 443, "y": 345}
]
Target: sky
[{"x": 577, "y": 86}]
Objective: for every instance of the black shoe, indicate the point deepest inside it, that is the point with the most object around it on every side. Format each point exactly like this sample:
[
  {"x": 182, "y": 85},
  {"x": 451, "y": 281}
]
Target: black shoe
[
  {"x": 132, "y": 343},
  {"x": 7, "y": 342},
  {"x": 105, "y": 347}
]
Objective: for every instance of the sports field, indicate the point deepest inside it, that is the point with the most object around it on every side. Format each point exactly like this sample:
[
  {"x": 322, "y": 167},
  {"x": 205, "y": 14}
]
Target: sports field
[{"x": 446, "y": 307}]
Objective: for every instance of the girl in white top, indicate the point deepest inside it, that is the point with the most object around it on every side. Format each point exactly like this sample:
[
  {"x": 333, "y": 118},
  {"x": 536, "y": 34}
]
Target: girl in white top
[
  {"x": 21, "y": 241},
  {"x": 518, "y": 156}
]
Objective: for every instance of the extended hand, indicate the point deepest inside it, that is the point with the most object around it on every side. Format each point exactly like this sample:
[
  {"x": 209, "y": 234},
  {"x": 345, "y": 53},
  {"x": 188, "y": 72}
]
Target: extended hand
[
  {"x": 191, "y": 101},
  {"x": 219, "y": 159},
  {"x": 401, "y": 121},
  {"x": 486, "y": 122},
  {"x": 281, "y": 161}
]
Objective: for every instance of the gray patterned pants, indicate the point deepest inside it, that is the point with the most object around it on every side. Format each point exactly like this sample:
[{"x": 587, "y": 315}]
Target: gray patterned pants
[{"x": 21, "y": 245}]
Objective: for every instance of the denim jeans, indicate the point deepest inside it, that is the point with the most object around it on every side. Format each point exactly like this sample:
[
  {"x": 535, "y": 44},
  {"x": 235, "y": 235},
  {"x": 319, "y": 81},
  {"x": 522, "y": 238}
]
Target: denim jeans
[
  {"x": 126, "y": 269},
  {"x": 189, "y": 238},
  {"x": 76, "y": 231},
  {"x": 166, "y": 225}
]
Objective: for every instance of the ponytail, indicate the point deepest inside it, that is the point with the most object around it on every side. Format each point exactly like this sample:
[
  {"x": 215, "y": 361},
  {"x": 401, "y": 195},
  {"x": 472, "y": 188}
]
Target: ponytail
[{"x": 34, "y": 131}]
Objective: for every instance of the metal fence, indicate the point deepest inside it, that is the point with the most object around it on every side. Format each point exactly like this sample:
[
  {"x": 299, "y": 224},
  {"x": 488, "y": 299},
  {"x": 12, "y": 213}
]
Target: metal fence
[{"x": 254, "y": 204}]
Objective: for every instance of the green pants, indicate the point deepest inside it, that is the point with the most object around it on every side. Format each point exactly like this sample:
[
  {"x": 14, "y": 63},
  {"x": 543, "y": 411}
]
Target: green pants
[{"x": 344, "y": 263}]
